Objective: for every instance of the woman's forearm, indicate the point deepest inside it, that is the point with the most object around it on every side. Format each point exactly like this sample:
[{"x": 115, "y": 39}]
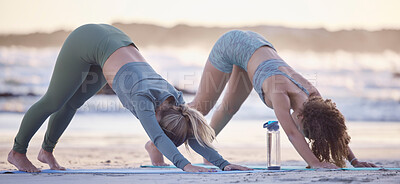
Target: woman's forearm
[
  {"x": 354, "y": 161},
  {"x": 208, "y": 153},
  {"x": 351, "y": 157},
  {"x": 301, "y": 146}
]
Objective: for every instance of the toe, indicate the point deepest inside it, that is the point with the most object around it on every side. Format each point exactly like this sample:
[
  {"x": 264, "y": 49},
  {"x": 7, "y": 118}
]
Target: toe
[{"x": 33, "y": 169}]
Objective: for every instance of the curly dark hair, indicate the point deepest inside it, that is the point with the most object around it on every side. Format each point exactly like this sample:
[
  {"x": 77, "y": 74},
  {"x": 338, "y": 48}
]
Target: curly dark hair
[{"x": 325, "y": 127}]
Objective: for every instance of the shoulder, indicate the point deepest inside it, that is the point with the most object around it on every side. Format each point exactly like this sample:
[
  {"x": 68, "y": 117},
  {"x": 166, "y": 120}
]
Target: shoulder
[
  {"x": 143, "y": 102},
  {"x": 179, "y": 98}
]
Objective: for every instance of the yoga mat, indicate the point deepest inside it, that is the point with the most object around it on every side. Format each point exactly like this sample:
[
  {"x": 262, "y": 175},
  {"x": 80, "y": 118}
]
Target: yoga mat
[
  {"x": 215, "y": 167},
  {"x": 134, "y": 171},
  {"x": 285, "y": 168},
  {"x": 173, "y": 170}
]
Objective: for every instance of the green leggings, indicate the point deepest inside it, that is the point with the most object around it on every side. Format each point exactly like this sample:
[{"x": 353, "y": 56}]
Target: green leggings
[{"x": 77, "y": 76}]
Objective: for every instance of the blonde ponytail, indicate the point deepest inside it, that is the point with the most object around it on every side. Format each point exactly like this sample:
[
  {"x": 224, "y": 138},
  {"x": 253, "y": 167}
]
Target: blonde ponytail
[
  {"x": 183, "y": 122},
  {"x": 203, "y": 133}
]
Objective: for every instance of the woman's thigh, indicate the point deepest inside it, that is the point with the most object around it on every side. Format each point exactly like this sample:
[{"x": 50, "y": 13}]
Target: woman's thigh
[
  {"x": 68, "y": 75},
  {"x": 239, "y": 88},
  {"x": 212, "y": 83},
  {"x": 93, "y": 83}
]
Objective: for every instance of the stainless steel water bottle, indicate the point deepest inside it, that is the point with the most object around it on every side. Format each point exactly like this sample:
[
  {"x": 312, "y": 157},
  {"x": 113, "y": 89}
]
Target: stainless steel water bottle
[{"x": 273, "y": 145}]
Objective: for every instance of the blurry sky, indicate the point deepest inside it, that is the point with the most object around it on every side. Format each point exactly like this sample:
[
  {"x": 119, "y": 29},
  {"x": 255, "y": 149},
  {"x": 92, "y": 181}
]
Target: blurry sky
[{"x": 24, "y": 16}]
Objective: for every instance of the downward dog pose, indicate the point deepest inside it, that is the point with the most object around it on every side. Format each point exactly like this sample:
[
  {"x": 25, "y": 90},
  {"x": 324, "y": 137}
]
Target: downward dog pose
[
  {"x": 93, "y": 55},
  {"x": 246, "y": 59}
]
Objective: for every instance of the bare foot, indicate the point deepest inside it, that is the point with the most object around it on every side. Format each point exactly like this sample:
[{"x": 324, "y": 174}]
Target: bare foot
[
  {"x": 20, "y": 161},
  {"x": 156, "y": 157},
  {"x": 206, "y": 162},
  {"x": 48, "y": 158}
]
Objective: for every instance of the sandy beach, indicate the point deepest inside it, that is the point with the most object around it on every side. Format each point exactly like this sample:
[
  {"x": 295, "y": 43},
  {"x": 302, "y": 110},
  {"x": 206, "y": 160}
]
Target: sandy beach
[
  {"x": 291, "y": 177},
  {"x": 121, "y": 145}
]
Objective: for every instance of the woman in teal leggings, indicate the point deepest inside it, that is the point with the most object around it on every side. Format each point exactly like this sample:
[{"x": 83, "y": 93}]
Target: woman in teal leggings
[{"x": 96, "y": 54}]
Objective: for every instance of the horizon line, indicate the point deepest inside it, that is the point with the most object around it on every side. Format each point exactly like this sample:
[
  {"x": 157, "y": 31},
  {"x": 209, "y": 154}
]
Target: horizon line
[{"x": 59, "y": 28}]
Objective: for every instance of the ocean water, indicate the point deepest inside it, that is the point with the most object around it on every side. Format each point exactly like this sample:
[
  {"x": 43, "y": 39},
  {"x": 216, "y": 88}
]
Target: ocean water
[{"x": 363, "y": 85}]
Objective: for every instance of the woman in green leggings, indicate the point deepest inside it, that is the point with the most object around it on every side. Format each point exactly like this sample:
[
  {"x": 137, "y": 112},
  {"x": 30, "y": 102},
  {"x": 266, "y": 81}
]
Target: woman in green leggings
[{"x": 96, "y": 54}]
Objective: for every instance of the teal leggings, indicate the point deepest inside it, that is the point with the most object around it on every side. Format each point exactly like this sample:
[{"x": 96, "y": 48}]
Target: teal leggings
[{"x": 77, "y": 76}]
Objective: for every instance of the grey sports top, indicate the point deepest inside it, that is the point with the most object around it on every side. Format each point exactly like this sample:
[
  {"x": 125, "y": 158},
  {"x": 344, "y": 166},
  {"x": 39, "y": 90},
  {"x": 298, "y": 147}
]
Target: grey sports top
[
  {"x": 141, "y": 90},
  {"x": 267, "y": 69}
]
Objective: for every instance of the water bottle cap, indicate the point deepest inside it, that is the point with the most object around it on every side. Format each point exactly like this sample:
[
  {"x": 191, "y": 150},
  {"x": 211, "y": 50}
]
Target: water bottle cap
[{"x": 271, "y": 125}]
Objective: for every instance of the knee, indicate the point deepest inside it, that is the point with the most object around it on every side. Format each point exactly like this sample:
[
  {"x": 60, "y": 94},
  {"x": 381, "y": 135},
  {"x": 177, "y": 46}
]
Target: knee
[
  {"x": 50, "y": 103},
  {"x": 74, "y": 104},
  {"x": 53, "y": 104}
]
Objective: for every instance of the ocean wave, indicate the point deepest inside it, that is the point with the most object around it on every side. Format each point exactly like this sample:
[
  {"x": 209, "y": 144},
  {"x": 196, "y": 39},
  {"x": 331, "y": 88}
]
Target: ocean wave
[{"x": 364, "y": 84}]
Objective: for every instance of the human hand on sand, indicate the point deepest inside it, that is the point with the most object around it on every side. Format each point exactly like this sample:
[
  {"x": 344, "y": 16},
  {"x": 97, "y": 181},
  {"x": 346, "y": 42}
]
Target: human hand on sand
[
  {"x": 232, "y": 167},
  {"x": 192, "y": 168},
  {"x": 356, "y": 163},
  {"x": 324, "y": 165}
]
